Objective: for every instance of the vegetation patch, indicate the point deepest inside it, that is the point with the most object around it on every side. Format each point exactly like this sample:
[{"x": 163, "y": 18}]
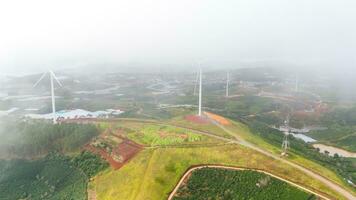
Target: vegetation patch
[
  {"x": 34, "y": 139},
  {"x": 89, "y": 163},
  {"x": 52, "y": 177},
  {"x": 164, "y": 135},
  {"x": 210, "y": 183}
]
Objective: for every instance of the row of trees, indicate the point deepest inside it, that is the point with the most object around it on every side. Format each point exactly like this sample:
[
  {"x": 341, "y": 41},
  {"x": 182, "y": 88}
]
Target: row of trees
[
  {"x": 210, "y": 183},
  {"x": 31, "y": 139}
]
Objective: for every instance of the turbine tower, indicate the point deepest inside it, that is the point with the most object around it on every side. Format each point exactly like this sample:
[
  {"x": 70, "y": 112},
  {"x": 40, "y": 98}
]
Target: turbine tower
[
  {"x": 227, "y": 84},
  {"x": 200, "y": 87},
  {"x": 285, "y": 144},
  {"x": 196, "y": 83},
  {"x": 52, "y": 76}
]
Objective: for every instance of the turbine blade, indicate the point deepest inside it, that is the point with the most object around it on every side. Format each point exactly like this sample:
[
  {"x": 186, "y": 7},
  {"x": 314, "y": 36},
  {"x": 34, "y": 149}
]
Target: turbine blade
[
  {"x": 39, "y": 80},
  {"x": 55, "y": 78}
]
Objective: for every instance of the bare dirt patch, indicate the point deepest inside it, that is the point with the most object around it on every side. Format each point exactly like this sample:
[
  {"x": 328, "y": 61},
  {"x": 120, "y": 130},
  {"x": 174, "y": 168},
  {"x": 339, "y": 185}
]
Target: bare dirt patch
[
  {"x": 221, "y": 120},
  {"x": 117, "y": 155},
  {"x": 197, "y": 119}
]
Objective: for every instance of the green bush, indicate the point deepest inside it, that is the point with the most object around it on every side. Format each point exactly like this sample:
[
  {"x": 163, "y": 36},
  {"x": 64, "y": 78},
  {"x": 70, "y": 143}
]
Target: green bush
[{"x": 89, "y": 163}]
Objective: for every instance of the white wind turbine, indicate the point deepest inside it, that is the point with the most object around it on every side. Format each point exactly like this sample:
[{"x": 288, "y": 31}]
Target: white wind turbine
[
  {"x": 52, "y": 76},
  {"x": 196, "y": 83},
  {"x": 200, "y": 89},
  {"x": 227, "y": 84}
]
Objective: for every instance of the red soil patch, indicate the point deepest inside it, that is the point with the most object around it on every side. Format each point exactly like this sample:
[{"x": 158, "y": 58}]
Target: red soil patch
[
  {"x": 217, "y": 118},
  {"x": 196, "y": 119},
  {"x": 125, "y": 151}
]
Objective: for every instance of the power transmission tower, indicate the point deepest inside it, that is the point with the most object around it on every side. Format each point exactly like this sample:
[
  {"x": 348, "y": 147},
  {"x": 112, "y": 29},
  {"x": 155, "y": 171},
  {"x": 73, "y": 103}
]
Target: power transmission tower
[{"x": 285, "y": 143}]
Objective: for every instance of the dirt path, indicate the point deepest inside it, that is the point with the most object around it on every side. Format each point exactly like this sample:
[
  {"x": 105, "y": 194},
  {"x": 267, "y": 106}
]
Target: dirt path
[
  {"x": 91, "y": 194},
  {"x": 144, "y": 178},
  {"x": 184, "y": 177}
]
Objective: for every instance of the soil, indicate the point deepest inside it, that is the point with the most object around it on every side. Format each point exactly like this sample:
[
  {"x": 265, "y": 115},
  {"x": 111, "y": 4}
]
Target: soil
[
  {"x": 197, "y": 119},
  {"x": 126, "y": 150}
]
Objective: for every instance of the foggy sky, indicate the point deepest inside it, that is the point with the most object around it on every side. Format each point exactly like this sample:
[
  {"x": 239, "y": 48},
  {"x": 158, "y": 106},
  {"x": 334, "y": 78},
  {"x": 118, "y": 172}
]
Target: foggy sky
[{"x": 309, "y": 33}]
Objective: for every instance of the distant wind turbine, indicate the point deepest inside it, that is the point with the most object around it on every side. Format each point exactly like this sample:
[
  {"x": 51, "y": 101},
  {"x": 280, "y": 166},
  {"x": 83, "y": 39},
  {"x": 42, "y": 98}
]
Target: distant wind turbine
[
  {"x": 227, "y": 84},
  {"x": 52, "y": 76},
  {"x": 200, "y": 89},
  {"x": 196, "y": 83}
]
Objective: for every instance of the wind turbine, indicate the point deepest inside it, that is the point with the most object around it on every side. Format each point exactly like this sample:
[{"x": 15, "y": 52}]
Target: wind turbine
[
  {"x": 227, "y": 84},
  {"x": 52, "y": 76},
  {"x": 196, "y": 83},
  {"x": 200, "y": 87}
]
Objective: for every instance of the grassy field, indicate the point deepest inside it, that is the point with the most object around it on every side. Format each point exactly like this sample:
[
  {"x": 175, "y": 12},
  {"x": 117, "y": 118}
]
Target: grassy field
[
  {"x": 180, "y": 121},
  {"x": 155, "y": 134},
  {"x": 232, "y": 184},
  {"x": 154, "y": 172}
]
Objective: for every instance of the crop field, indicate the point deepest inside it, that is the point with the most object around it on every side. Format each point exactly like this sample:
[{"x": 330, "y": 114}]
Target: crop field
[
  {"x": 154, "y": 135},
  {"x": 153, "y": 173},
  {"x": 211, "y": 183}
]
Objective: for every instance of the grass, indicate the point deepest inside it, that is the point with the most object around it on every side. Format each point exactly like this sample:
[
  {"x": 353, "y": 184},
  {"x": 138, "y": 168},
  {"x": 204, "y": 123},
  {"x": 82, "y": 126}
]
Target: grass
[
  {"x": 180, "y": 121},
  {"x": 154, "y": 172},
  {"x": 155, "y": 134},
  {"x": 163, "y": 135},
  {"x": 348, "y": 143}
]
